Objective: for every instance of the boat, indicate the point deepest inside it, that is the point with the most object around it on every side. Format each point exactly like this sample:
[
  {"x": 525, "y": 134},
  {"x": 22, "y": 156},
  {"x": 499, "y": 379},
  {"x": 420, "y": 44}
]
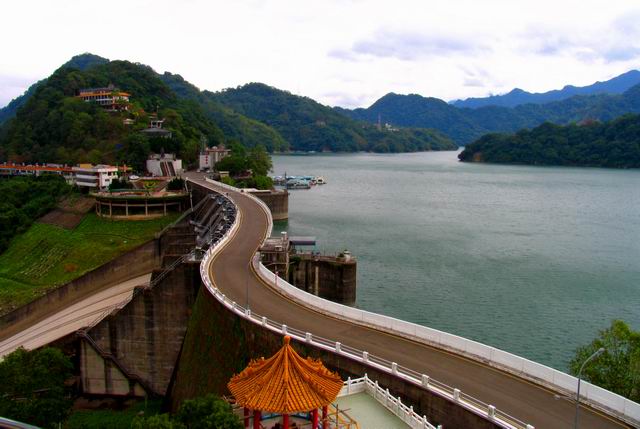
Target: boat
[
  {"x": 320, "y": 180},
  {"x": 298, "y": 184}
]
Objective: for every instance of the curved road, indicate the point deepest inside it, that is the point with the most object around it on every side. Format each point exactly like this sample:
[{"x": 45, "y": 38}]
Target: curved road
[{"x": 522, "y": 399}]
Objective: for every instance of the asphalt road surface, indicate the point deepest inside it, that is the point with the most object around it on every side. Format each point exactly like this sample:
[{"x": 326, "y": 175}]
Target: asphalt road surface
[{"x": 520, "y": 398}]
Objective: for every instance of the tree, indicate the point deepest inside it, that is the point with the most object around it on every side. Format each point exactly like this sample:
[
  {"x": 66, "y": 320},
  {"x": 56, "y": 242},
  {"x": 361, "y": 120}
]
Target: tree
[
  {"x": 618, "y": 368},
  {"x": 208, "y": 412},
  {"x": 162, "y": 421},
  {"x": 33, "y": 386}
]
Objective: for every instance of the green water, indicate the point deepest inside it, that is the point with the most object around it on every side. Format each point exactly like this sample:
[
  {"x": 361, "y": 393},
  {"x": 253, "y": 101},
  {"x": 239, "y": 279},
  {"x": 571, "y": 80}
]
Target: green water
[{"x": 533, "y": 260}]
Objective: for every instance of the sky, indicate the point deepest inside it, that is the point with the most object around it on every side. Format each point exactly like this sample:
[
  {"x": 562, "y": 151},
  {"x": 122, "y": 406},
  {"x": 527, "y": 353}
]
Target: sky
[{"x": 347, "y": 53}]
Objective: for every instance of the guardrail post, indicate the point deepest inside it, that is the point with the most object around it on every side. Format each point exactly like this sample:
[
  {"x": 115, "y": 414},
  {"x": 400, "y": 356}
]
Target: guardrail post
[
  {"x": 365, "y": 357},
  {"x": 264, "y": 321},
  {"x": 348, "y": 385},
  {"x": 338, "y": 347},
  {"x": 284, "y": 329},
  {"x": 399, "y": 406},
  {"x": 425, "y": 380},
  {"x": 425, "y": 423},
  {"x": 456, "y": 394},
  {"x": 248, "y": 312},
  {"x": 491, "y": 412},
  {"x": 386, "y": 397},
  {"x": 394, "y": 368},
  {"x": 308, "y": 337}
]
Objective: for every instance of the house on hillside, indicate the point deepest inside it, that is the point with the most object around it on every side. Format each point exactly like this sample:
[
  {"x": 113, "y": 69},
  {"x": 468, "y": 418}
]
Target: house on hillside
[
  {"x": 210, "y": 156},
  {"x": 109, "y": 98},
  {"x": 155, "y": 129}
]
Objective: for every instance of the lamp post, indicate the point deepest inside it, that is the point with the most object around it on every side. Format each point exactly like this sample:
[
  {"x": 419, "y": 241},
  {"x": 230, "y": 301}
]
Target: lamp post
[{"x": 593, "y": 356}]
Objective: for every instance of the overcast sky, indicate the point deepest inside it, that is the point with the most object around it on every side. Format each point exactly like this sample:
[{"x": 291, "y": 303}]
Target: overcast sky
[{"x": 339, "y": 52}]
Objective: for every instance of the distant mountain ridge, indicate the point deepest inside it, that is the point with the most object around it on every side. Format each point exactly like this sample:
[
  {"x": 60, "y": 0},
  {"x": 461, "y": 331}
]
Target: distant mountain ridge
[
  {"x": 517, "y": 96},
  {"x": 465, "y": 125}
]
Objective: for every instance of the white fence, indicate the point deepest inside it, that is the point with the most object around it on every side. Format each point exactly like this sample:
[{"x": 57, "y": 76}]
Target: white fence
[
  {"x": 387, "y": 400},
  {"x": 597, "y": 397}
]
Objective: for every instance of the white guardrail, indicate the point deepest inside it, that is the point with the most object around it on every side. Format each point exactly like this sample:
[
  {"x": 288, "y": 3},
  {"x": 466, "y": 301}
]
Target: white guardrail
[
  {"x": 595, "y": 396},
  {"x": 387, "y": 400}
]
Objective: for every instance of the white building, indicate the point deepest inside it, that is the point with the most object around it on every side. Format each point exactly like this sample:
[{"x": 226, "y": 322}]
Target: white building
[
  {"x": 164, "y": 165},
  {"x": 211, "y": 156},
  {"x": 94, "y": 176}
]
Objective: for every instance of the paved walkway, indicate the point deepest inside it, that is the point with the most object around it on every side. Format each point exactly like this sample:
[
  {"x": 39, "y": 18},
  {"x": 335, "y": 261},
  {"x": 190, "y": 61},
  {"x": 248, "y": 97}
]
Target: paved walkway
[
  {"x": 72, "y": 318},
  {"x": 520, "y": 398}
]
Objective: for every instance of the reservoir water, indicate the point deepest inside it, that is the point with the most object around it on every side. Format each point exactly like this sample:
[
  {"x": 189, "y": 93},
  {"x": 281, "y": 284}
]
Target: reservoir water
[{"x": 532, "y": 260}]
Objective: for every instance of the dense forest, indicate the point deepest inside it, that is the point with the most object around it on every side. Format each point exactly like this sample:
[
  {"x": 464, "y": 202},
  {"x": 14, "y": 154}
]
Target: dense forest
[
  {"x": 25, "y": 199},
  {"x": 466, "y": 125},
  {"x": 48, "y": 124},
  {"x": 310, "y": 126},
  {"x": 55, "y": 126},
  {"x": 613, "y": 144}
]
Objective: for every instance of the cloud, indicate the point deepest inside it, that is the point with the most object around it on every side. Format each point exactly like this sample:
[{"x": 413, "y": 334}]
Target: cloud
[
  {"x": 13, "y": 86},
  {"x": 408, "y": 46}
]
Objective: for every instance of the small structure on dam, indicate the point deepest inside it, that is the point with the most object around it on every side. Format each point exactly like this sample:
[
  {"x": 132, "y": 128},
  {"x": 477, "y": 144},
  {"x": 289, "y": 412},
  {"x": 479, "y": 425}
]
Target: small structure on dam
[
  {"x": 285, "y": 384},
  {"x": 329, "y": 277}
]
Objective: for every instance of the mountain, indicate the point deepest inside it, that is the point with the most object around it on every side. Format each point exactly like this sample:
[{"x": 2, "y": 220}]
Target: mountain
[
  {"x": 53, "y": 125},
  {"x": 517, "y": 96},
  {"x": 234, "y": 125},
  {"x": 465, "y": 125},
  {"x": 614, "y": 144},
  {"x": 309, "y": 126},
  {"x": 80, "y": 62}
]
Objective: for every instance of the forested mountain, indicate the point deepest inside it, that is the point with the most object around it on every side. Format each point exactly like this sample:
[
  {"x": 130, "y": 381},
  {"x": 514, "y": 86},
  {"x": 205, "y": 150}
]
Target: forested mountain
[
  {"x": 80, "y": 62},
  {"x": 234, "y": 125},
  {"x": 55, "y": 126},
  {"x": 309, "y": 126},
  {"x": 517, "y": 96},
  {"x": 613, "y": 144},
  {"x": 466, "y": 125}
]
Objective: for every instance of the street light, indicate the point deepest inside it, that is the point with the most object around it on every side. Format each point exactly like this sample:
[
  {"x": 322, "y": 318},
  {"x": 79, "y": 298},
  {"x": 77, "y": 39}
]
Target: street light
[{"x": 593, "y": 356}]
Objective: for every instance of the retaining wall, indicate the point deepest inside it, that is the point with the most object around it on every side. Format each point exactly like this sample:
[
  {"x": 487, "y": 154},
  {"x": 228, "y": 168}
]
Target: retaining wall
[{"x": 139, "y": 261}]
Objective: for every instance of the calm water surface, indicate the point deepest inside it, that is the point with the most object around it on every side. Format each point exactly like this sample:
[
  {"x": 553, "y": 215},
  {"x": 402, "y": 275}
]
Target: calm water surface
[{"x": 533, "y": 260}]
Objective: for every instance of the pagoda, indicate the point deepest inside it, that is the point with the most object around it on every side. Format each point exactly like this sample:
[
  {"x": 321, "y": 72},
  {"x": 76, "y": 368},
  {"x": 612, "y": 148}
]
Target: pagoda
[{"x": 285, "y": 384}]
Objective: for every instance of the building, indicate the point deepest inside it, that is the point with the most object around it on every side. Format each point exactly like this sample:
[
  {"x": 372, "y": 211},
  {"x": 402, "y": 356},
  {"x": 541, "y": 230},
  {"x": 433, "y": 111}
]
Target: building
[
  {"x": 285, "y": 384},
  {"x": 109, "y": 98},
  {"x": 210, "y": 156},
  {"x": 164, "y": 165},
  {"x": 155, "y": 130},
  {"x": 94, "y": 176}
]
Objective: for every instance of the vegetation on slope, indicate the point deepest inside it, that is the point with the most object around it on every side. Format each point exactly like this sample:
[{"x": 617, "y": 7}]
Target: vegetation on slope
[
  {"x": 55, "y": 126},
  {"x": 611, "y": 144},
  {"x": 33, "y": 387},
  {"x": 46, "y": 256},
  {"x": 618, "y": 368},
  {"x": 25, "y": 199},
  {"x": 310, "y": 126},
  {"x": 467, "y": 125}
]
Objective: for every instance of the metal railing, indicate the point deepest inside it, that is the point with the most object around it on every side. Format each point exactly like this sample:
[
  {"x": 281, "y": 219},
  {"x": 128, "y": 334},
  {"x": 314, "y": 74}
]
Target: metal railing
[{"x": 423, "y": 381}]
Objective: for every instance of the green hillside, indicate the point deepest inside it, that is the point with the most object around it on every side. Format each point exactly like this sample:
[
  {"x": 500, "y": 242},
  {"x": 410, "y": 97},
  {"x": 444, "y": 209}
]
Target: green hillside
[
  {"x": 613, "y": 144},
  {"x": 310, "y": 126},
  {"x": 465, "y": 125},
  {"x": 55, "y": 126}
]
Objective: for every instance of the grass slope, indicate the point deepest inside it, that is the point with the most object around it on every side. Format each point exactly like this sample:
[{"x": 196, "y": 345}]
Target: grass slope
[{"x": 46, "y": 256}]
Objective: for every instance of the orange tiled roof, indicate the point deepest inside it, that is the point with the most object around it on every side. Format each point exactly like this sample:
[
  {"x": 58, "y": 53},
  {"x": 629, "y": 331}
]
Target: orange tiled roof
[{"x": 285, "y": 383}]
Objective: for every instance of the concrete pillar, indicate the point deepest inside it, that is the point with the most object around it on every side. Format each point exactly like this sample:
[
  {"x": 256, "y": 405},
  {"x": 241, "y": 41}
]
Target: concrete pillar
[
  {"x": 247, "y": 414},
  {"x": 285, "y": 421},
  {"x": 316, "y": 283},
  {"x": 110, "y": 210},
  {"x": 164, "y": 204},
  {"x": 314, "y": 419},
  {"x": 126, "y": 208},
  {"x": 146, "y": 207},
  {"x": 256, "y": 419}
]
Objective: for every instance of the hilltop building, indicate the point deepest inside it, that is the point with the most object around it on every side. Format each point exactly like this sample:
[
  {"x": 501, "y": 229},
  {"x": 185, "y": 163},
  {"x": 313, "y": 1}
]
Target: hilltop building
[
  {"x": 164, "y": 165},
  {"x": 109, "y": 98},
  {"x": 94, "y": 176},
  {"x": 210, "y": 156},
  {"x": 155, "y": 129}
]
